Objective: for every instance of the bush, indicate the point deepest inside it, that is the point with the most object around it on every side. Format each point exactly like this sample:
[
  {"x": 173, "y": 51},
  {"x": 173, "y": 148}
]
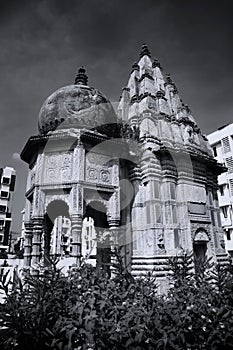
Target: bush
[{"x": 87, "y": 310}]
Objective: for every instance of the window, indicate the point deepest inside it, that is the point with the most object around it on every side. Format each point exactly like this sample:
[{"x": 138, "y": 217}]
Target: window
[
  {"x": 173, "y": 190},
  {"x": 1, "y": 238},
  {"x": 148, "y": 218},
  {"x": 158, "y": 213},
  {"x": 231, "y": 186},
  {"x": 221, "y": 190},
  {"x": 215, "y": 151},
  {"x": 176, "y": 238},
  {"x": 228, "y": 235},
  {"x": 174, "y": 214},
  {"x": 2, "y": 208},
  {"x": 5, "y": 180},
  {"x": 219, "y": 219},
  {"x": 156, "y": 189},
  {"x": 226, "y": 144},
  {"x": 4, "y": 194},
  {"x": 65, "y": 239},
  {"x": 229, "y": 164},
  {"x": 1, "y": 222},
  {"x": 210, "y": 197},
  {"x": 224, "y": 211},
  {"x": 212, "y": 217},
  {"x": 87, "y": 245},
  {"x": 87, "y": 231}
]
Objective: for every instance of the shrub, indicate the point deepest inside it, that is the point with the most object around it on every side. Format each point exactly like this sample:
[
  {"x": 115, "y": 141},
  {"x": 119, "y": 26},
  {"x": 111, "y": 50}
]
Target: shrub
[{"x": 88, "y": 310}]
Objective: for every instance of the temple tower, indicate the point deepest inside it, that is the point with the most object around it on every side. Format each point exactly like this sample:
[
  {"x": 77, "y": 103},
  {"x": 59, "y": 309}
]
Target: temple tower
[
  {"x": 146, "y": 176},
  {"x": 175, "y": 206}
]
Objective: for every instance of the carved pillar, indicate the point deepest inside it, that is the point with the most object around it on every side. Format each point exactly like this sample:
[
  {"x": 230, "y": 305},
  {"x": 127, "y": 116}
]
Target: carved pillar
[
  {"x": 114, "y": 228},
  {"x": 115, "y": 240},
  {"x": 36, "y": 240},
  {"x": 27, "y": 243},
  {"x": 48, "y": 227},
  {"x": 76, "y": 232},
  {"x": 78, "y": 162}
]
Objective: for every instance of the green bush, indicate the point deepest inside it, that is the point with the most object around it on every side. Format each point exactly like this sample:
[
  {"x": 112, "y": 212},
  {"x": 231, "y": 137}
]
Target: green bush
[{"x": 88, "y": 310}]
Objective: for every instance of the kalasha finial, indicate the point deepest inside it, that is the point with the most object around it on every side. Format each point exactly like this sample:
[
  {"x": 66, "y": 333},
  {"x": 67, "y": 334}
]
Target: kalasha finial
[
  {"x": 145, "y": 51},
  {"x": 81, "y": 78}
]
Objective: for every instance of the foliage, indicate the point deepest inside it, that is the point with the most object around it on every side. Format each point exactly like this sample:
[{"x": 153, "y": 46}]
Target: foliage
[{"x": 88, "y": 310}]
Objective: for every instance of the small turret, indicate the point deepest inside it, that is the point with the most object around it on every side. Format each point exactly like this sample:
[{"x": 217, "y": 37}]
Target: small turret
[
  {"x": 81, "y": 77},
  {"x": 145, "y": 51}
]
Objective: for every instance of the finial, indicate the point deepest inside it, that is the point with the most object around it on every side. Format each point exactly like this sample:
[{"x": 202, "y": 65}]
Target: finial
[
  {"x": 81, "y": 77},
  {"x": 135, "y": 66},
  {"x": 145, "y": 51},
  {"x": 156, "y": 63}
]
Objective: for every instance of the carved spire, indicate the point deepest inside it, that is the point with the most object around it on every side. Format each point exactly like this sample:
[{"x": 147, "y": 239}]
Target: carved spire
[
  {"x": 156, "y": 63},
  {"x": 81, "y": 77},
  {"x": 145, "y": 51},
  {"x": 169, "y": 81},
  {"x": 135, "y": 66}
]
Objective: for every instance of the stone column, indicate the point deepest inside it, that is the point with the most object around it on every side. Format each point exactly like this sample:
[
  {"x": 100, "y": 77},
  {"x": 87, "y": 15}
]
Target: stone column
[
  {"x": 48, "y": 227},
  {"x": 27, "y": 243},
  {"x": 76, "y": 232},
  {"x": 115, "y": 241},
  {"x": 36, "y": 240}
]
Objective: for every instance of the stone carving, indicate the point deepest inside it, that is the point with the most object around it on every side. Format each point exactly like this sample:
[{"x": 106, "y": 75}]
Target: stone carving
[
  {"x": 99, "y": 168},
  {"x": 57, "y": 167},
  {"x": 160, "y": 241},
  {"x": 201, "y": 236}
]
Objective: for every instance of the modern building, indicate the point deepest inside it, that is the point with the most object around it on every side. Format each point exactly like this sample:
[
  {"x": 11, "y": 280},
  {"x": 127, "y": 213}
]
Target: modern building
[
  {"x": 221, "y": 142},
  {"x": 7, "y": 186},
  {"x": 145, "y": 175}
]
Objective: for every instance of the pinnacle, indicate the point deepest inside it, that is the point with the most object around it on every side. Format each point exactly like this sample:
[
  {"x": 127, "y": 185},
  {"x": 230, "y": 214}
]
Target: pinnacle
[{"x": 81, "y": 77}]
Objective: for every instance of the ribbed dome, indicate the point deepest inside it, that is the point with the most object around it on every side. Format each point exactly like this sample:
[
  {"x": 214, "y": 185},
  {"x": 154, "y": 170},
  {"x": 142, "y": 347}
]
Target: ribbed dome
[{"x": 76, "y": 106}]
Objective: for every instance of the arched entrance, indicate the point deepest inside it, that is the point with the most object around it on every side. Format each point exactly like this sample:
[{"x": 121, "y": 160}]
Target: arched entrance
[
  {"x": 55, "y": 209},
  {"x": 97, "y": 211},
  {"x": 200, "y": 242}
]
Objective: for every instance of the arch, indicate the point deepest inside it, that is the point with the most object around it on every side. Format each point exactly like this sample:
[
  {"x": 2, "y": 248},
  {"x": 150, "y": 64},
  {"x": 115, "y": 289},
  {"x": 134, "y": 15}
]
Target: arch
[
  {"x": 200, "y": 242},
  {"x": 50, "y": 199},
  {"x": 57, "y": 207},
  {"x": 98, "y": 212},
  {"x": 201, "y": 235},
  {"x": 54, "y": 209}
]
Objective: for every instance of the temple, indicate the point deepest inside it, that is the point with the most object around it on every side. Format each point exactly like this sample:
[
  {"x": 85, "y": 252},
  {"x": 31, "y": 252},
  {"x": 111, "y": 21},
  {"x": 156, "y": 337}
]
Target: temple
[{"x": 144, "y": 173}]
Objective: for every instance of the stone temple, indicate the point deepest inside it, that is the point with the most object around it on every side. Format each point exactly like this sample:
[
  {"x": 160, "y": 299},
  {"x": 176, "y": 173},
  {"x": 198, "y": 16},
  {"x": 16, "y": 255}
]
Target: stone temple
[{"x": 142, "y": 170}]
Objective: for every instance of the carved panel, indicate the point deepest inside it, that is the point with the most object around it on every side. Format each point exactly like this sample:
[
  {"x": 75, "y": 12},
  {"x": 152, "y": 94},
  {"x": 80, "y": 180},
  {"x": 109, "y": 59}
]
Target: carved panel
[
  {"x": 57, "y": 167},
  {"x": 100, "y": 169}
]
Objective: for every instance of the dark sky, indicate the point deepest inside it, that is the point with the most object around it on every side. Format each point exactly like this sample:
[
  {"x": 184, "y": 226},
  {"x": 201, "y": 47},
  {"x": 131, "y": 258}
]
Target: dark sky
[{"x": 43, "y": 43}]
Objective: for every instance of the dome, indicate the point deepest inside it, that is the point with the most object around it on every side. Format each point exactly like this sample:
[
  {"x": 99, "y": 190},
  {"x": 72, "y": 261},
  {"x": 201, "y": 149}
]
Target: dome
[{"x": 76, "y": 106}]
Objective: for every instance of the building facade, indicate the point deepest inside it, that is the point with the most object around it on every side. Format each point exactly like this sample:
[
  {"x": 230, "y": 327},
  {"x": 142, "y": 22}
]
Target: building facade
[
  {"x": 145, "y": 174},
  {"x": 7, "y": 186},
  {"x": 221, "y": 142}
]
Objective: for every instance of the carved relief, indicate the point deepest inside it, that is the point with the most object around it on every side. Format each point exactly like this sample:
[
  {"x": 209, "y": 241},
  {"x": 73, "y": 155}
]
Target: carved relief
[
  {"x": 53, "y": 197},
  {"x": 57, "y": 167},
  {"x": 99, "y": 168}
]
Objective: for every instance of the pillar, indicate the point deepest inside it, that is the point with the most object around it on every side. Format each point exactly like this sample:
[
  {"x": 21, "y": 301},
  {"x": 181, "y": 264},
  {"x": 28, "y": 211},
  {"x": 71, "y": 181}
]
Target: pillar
[
  {"x": 76, "y": 232},
  {"x": 27, "y": 243},
  {"x": 36, "y": 240},
  {"x": 115, "y": 240}
]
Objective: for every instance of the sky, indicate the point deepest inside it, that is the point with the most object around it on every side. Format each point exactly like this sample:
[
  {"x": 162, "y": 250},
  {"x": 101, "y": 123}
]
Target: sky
[{"x": 44, "y": 42}]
